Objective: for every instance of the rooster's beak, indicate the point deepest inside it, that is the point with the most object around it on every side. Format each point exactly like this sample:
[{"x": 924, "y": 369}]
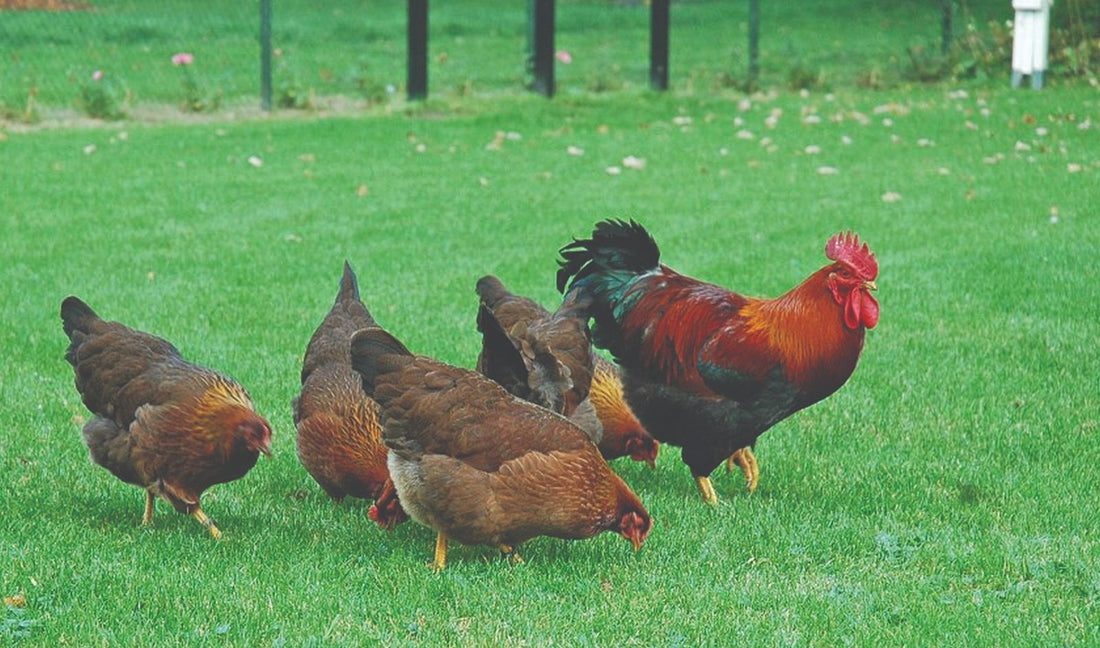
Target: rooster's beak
[{"x": 870, "y": 285}]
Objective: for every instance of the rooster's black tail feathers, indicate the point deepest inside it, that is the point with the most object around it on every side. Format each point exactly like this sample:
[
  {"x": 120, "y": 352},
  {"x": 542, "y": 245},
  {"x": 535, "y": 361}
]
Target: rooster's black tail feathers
[{"x": 616, "y": 245}]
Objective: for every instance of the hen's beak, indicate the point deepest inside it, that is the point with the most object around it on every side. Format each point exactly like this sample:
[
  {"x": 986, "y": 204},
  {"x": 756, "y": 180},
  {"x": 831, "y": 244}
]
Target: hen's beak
[
  {"x": 870, "y": 285},
  {"x": 636, "y": 540},
  {"x": 266, "y": 449}
]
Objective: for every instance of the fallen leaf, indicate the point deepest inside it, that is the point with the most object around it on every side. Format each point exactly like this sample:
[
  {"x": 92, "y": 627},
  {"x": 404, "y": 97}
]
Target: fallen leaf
[
  {"x": 613, "y": 170},
  {"x": 812, "y": 149},
  {"x": 681, "y": 120},
  {"x": 1021, "y": 146},
  {"x": 827, "y": 170},
  {"x": 16, "y": 600},
  {"x": 745, "y": 135},
  {"x": 292, "y": 238},
  {"x": 494, "y": 145},
  {"x": 632, "y": 162},
  {"x": 811, "y": 119},
  {"x": 1073, "y": 167},
  {"x": 256, "y": 161},
  {"x": 891, "y": 197},
  {"x": 362, "y": 190},
  {"x": 574, "y": 150},
  {"x": 924, "y": 142}
]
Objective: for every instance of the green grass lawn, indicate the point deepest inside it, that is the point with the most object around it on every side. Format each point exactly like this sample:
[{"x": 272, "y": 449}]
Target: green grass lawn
[{"x": 946, "y": 496}]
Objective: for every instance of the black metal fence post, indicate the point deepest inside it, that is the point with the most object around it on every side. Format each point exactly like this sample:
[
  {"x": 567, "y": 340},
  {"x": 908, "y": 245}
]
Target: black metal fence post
[
  {"x": 658, "y": 44},
  {"x": 418, "y": 49},
  {"x": 265, "y": 55},
  {"x": 947, "y": 27},
  {"x": 754, "y": 42},
  {"x": 541, "y": 15}
]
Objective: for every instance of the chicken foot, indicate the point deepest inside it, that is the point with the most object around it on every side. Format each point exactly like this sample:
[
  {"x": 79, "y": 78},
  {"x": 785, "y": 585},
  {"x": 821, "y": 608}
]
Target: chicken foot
[
  {"x": 745, "y": 460},
  {"x": 706, "y": 489},
  {"x": 509, "y": 552},
  {"x": 206, "y": 522},
  {"x": 440, "y": 562}
]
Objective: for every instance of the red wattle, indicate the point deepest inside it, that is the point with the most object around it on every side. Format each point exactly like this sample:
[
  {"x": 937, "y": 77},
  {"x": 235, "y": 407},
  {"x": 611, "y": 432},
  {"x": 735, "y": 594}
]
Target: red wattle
[{"x": 869, "y": 310}]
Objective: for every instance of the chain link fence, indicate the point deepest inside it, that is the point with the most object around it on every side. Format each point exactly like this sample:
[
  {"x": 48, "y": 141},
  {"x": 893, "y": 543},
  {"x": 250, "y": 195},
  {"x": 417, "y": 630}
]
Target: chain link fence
[{"x": 144, "y": 58}]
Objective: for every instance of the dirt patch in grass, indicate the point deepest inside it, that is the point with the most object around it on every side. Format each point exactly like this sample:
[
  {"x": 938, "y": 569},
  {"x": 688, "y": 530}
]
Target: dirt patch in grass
[{"x": 44, "y": 5}]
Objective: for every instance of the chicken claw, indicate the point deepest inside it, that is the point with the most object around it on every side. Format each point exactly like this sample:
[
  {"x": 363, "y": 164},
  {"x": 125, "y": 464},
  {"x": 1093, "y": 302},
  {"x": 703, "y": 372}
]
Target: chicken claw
[
  {"x": 440, "y": 562},
  {"x": 744, "y": 459},
  {"x": 207, "y": 522},
  {"x": 510, "y": 553},
  {"x": 707, "y": 490}
]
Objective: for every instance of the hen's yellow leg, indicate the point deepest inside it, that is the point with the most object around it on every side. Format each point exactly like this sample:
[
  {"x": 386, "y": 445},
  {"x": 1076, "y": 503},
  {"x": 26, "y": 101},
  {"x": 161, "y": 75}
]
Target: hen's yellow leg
[
  {"x": 707, "y": 490},
  {"x": 511, "y": 554},
  {"x": 147, "y": 519},
  {"x": 744, "y": 459},
  {"x": 440, "y": 562},
  {"x": 206, "y": 522}
]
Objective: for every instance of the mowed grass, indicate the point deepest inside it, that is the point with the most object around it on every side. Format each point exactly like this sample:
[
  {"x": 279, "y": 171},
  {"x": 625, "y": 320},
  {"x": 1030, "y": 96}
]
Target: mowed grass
[{"x": 947, "y": 495}]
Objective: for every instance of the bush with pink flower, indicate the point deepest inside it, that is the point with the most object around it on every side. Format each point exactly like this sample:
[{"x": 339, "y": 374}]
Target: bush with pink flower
[
  {"x": 195, "y": 97},
  {"x": 103, "y": 96}
]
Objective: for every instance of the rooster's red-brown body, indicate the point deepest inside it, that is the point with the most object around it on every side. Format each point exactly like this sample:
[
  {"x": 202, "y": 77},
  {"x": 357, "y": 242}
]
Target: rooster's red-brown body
[{"x": 708, "y": 369}]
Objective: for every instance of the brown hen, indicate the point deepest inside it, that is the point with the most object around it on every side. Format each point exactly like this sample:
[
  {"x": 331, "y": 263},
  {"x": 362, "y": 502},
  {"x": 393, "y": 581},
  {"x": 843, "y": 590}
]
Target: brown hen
[
  {"x": 547, "y": 358},
  {"x": 339, "y": 436},
  {"x": 481, "y": 466},
  {"x": 172, "y": 427},
  {"x": 542, "y": 357}
]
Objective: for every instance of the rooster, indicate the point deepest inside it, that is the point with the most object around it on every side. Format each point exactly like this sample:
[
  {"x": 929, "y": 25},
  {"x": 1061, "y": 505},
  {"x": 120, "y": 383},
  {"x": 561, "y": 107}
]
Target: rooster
[
  {"x": 339, "y": 435},
  {"x": 481, "y": 466},
  {"x": 160, "y": 422},
  {"x": 546, "y": 358},
  {"x": 711, "y": 370}
]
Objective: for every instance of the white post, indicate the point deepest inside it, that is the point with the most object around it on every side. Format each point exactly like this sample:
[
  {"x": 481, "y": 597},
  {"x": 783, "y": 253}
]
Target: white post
[{"x": 1030, "y": 39}]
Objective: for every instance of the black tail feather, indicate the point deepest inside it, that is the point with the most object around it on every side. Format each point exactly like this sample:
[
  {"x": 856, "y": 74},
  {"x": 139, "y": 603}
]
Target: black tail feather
[{"x": 615, "y": 245}]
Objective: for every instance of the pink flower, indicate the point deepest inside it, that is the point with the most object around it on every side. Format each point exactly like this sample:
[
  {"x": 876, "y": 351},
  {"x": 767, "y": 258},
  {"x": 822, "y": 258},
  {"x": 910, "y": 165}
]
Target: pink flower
[
  {"x": 564, "y": 56},
  {"x": 183, "y": 58},
  {"x": 97, "y": 75}
]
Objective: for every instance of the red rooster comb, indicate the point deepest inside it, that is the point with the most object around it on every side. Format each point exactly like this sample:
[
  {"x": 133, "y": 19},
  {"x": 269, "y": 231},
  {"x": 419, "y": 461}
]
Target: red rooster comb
[{"x": 845, "y": 247}]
